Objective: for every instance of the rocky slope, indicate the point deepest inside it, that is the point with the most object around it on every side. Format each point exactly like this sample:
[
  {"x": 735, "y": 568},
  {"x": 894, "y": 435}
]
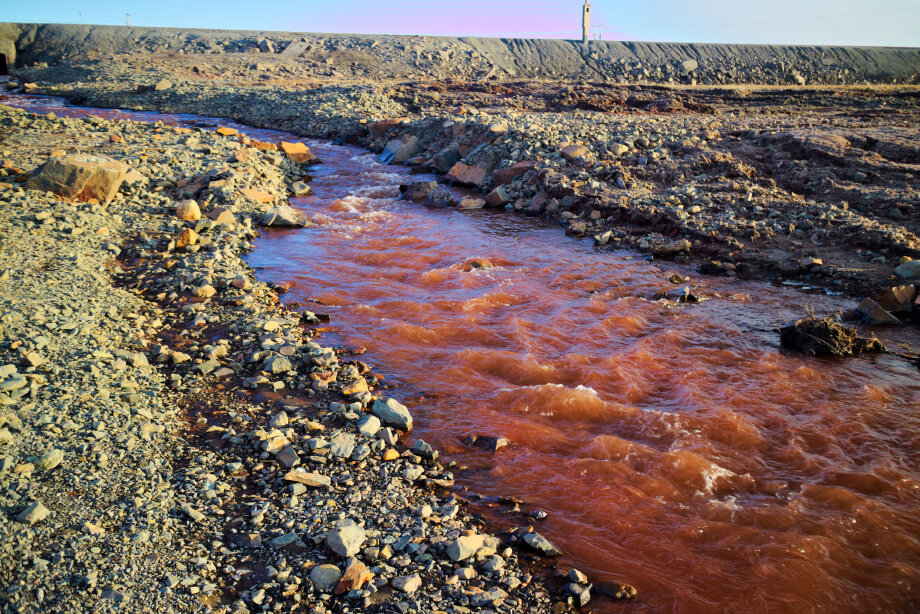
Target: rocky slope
[{"x": 427, "y": 57}]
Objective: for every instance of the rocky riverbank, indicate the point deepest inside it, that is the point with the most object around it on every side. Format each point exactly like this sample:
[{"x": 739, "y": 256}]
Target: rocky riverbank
[
  {"x": 814, "y": 187},
  {"x": 171, "y": 437}
]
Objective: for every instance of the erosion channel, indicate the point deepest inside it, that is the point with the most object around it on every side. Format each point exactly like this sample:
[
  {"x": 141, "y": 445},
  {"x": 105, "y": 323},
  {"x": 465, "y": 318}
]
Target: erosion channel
[{"x": 673, "y": 446}]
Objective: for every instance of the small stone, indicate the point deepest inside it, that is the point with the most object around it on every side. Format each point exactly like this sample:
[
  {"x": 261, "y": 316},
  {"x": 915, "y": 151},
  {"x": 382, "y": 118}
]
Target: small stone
[
  {"x": 541, "y": 544},
  {"x": 34, "y": 513},
  {"x": 407, "y": 584},
  {"x": 324, "y": 577},
  {"x": 33, "y": 359},
  {"x": 908, "y": 270},
  {"x": 346, "y": 541},
  {"x": 285, "y": 540},
  {"x": 50, "y": 460},
  {"x": 277, "y": 364},
  {"x": 313, "y": 480},
  {"x": 188, "y": 211},
  {"x": 368, "y": 425}
]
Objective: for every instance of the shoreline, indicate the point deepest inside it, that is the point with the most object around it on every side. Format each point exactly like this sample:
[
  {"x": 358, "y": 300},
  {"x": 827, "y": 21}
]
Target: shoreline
[
  {"x": 737, "y": 217},
  {"x": 238, "y": 502}
]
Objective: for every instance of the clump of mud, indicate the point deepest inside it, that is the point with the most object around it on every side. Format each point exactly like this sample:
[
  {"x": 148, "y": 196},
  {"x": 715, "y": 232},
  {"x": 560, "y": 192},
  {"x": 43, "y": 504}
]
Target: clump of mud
[{"x": 826, "y": 337}]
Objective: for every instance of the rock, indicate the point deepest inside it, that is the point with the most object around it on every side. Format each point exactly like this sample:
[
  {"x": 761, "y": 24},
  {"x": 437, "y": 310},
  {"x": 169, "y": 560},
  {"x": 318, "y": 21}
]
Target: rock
[
  {"x": 50, "y": 460},
  {"x": 313, "y": 480},
  {"x": 574, "y": 153},
  {"x": 227, "y": 131},
  {"x": 299, "y": 188},
  {"x": 908, "y": 270},
  {"x": 356, "y": 387},
  {"x": 898, "y": 299},
  {"x": 689, "y": 65},
  {"x": 288, "y": 457},
  {"x": 874, "y": 313},
  {"x": 222, "y": 216},
  {"x": 346, "y": 541},
  {"x": 186, "y": 237},
  {"x": 356, "y": 575},
  {"x": 407, "y": 584},
  {"x": 468, "y": 202},
  {"x": 418, "y": 190},
  {"x": 285, "y": 216},
  {"x": 423, "y": 449},
  {"x": 257, "y": 195},
  {"x": 826, "y": 336},
  {"x": 34, "y": 513},
  {"x": 487, "y": 442},
  {"x": 492, "y": 596},
  {"x": 282, "y": 541},
  {"x": 541, "y": 544},
  {"x": 295, "y": 48},
  {"x": 298, "y": 152},
  {"x": 188, "y": 211},
  {"x": 324, "y": 577},
  {"x": 277, "y": 364},
  {"x": 446, "y": 158},
  {"x": 464, "y": 547},
  {"x": 162, "y": 84},
  {"x": 369, "y": 425},
  {"x": 399, "y": 151},
  {"x": 673, "y": 247},
  {"x": 33, "y": 359},
  {"x": 498, "y": 197},
  {"x": 80, "y": 177},
  {"x": 468, "y": 175},
  {"x": 266, "y": 46},
  {"x": 580, "y": 593},
  {"x": 392, "y": 413},
  {"x": 576, "y": 576},
  {"x": 504, "y": 176},
  {"x": 342, "y": 445}
]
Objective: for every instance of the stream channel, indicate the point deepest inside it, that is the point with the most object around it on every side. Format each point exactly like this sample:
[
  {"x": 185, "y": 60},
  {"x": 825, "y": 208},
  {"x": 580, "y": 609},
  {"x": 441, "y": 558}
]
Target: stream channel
[{"x": 674, "y": 447}]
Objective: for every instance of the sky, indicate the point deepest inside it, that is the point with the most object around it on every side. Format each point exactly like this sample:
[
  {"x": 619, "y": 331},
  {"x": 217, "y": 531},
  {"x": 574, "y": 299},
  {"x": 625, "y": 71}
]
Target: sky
[{"x": 808, "y": 22}]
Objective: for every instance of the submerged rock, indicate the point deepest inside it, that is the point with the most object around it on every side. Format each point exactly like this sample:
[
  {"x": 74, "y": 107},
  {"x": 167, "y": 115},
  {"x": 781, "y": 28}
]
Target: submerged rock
[{"x": 827, "y": 337}]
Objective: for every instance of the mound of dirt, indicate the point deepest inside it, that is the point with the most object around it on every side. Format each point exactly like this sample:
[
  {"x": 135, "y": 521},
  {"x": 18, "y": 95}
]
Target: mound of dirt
[{"x": 826, "y": 337}]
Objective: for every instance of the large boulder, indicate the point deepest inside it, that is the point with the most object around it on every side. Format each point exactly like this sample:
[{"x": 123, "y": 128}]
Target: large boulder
[
  {"x": 80, "y": 177},
  {"x": 285, "y": 216}
]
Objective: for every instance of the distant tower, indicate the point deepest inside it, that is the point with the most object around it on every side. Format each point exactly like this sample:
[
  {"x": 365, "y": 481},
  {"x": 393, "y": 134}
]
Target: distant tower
[
  {"x": 585, "y": 22},
  {"x": 127, "y": 19}
]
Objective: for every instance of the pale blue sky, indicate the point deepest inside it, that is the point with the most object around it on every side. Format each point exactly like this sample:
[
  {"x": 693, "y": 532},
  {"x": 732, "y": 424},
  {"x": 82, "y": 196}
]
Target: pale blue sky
[{"x": 818, "y": 22}]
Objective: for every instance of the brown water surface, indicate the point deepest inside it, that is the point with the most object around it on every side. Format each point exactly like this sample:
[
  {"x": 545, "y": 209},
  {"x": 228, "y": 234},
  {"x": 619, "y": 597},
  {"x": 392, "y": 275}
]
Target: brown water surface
[{"x": 676, "y": 448}]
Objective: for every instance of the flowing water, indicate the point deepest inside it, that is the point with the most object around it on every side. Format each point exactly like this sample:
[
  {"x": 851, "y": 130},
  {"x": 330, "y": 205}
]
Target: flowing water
[{"x": 676, "y": 448}]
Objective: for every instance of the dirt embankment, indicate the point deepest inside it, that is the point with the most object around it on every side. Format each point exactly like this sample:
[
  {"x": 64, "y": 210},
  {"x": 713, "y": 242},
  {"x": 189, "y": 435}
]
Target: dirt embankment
[{"x": 429, "y": 57}]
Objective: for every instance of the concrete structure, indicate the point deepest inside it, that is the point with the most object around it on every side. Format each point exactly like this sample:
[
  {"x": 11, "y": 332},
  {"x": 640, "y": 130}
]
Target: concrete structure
[{"x": 585, "y": 21}]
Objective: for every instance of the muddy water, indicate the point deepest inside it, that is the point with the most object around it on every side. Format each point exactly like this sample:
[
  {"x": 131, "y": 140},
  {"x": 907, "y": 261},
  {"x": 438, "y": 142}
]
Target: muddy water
[{"x": 674, "y": 447}]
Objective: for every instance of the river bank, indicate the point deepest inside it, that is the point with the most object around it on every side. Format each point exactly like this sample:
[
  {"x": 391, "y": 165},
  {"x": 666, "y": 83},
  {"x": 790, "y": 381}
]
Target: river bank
[
  {"x": 172, "y": 438},
  {"x": 810, "y": 186}
]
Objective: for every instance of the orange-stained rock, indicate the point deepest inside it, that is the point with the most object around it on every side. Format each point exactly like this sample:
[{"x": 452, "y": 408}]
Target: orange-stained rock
[
  {"x": 243, "y": 155},
  {"x": 469, "y": 175},
  {"x": 390, "y": 454},
  {"x": 222, "y": 216},
  {"x": 116, "y": 138},
  {"x": 188, "y": 211},
  {"x": 223, "y": 130},
  {"x": 356, "y": 575},
  {"x": 297, "y": 152},
  {"x": 263, "y": 146},
  {"x": 380, "y": 128},
  {"x": 256, "y": 195},
  {"x": 504, "y": 176},
  {"x": 186, "y": 237},
  {"x": 80, "y": 177},
  {"x": 575, "y": 152}
]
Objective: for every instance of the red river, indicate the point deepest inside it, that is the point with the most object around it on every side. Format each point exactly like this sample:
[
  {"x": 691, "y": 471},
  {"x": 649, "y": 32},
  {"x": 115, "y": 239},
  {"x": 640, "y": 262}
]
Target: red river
[{"x": 675, "y": 448}]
